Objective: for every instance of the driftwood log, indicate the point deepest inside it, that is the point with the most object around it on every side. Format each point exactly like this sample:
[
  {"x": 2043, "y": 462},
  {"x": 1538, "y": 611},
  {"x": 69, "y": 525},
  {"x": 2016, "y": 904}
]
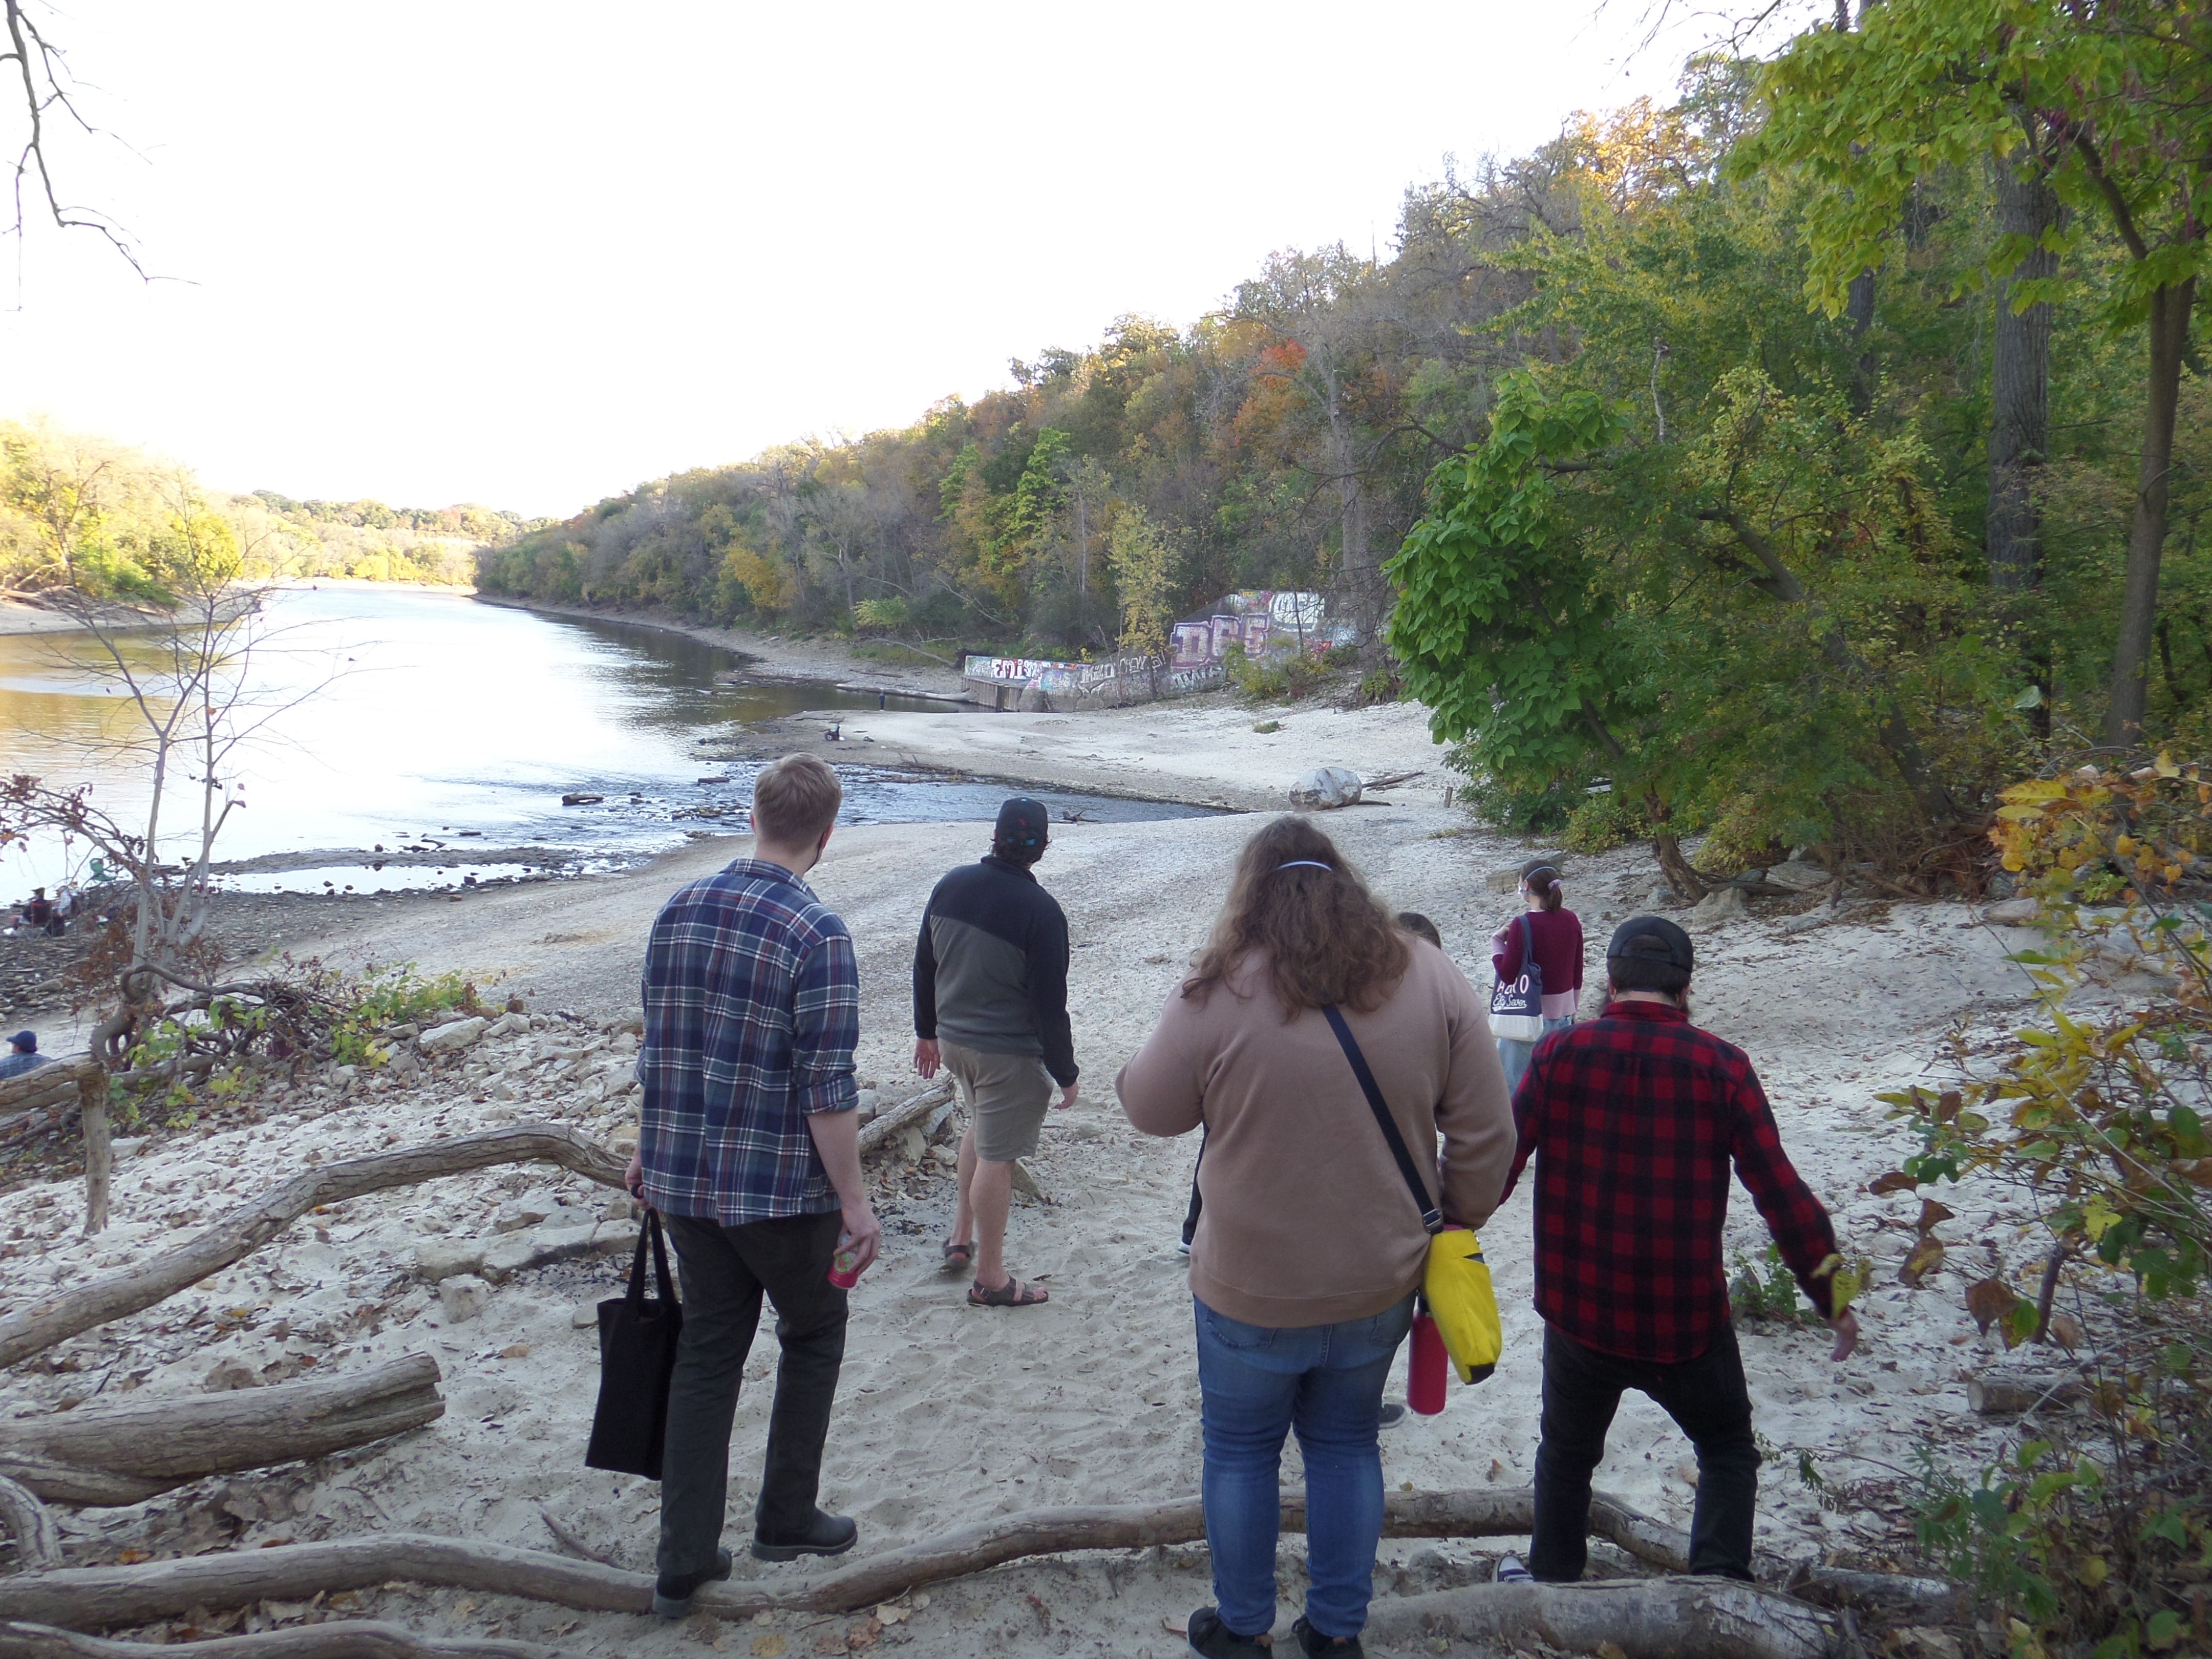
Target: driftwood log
[
  {"x": 25, "y": 1520},
  {"x": 2007, "y": 1394},
  {"x": 342, "y": 1638},
  {"x": 124, "y": 1453},
  {"x": 84, "y": 1081},
  {"x": 246, "y": 1229},
  {"x": 880, "y": 1132},
  {"x": 1641, "y": 1618},
  {"x": 102, "y": 1597}
]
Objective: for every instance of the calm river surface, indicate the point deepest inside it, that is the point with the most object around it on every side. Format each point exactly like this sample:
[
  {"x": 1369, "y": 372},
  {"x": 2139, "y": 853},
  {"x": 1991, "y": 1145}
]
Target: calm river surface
[{"x": 442, "y": 741}]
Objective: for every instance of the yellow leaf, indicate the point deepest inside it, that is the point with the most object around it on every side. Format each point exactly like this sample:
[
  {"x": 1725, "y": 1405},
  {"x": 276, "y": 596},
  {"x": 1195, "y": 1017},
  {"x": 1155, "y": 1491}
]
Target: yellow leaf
[
  {"x": 2094, "y": 1570},
  {"x": 2125, "y": 846}
]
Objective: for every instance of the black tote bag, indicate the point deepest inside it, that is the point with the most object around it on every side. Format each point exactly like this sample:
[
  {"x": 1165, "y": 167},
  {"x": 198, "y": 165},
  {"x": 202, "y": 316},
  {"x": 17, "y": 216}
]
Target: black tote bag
[{"x": 637, "y": 1357}]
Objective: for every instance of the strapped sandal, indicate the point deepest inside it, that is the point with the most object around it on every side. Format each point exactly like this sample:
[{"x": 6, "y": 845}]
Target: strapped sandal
[
  {"x": 959, "y": 1257},
  {"x": 1012, "y": 1294}
]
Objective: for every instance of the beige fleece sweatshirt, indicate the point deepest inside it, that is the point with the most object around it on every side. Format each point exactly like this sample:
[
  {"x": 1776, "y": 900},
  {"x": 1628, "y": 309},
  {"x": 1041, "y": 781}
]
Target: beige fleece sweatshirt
[{"x": 1307, "y": 1220}]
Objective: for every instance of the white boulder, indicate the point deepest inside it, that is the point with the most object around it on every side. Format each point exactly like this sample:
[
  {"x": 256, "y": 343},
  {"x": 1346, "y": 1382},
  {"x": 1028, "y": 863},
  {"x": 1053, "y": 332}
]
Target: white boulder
[
  {"x": 1322, "y": 788},
  {"x": 453, "y": 1035}
]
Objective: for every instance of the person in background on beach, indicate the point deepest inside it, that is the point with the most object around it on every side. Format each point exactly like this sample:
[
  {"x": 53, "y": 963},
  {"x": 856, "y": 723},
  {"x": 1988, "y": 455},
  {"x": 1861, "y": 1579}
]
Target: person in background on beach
[
  {"x": 1559, "y": 952},
  {"x": 1310, "y": 1248},
  {"x": 990, "y": 1005},
  {"x": 749, "y": 1148},
  {"x": 23, "y": 1055},
  {"x": 1644, "y": 1109},
  {"x": 39, "y": 912}
]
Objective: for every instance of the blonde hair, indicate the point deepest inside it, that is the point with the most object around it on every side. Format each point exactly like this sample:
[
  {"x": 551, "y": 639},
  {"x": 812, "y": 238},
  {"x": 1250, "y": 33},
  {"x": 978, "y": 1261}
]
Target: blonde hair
[{"x": 795, "y": 800}]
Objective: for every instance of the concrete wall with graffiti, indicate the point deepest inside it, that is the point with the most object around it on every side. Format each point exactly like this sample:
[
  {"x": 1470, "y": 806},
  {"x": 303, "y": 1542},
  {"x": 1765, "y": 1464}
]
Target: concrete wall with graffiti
[{"x": 1263, "y": 622}]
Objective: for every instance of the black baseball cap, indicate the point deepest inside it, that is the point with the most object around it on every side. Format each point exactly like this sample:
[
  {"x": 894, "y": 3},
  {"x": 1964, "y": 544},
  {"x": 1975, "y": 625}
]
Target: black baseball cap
[
  {"x": 1651, "y": 939},
  {"x": 1023, "y": 823},
  {"x": 27, "y": 1042}
]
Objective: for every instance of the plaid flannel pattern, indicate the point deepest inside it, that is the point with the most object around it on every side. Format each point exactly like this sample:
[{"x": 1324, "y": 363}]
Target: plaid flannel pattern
[
  {"x": 752, "y": 1011},
  {"x": 1635, "y": 1117}
]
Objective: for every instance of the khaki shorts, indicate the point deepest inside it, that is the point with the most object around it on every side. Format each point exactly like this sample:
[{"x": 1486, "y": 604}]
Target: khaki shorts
[{"x": 1007, "y": 1097}]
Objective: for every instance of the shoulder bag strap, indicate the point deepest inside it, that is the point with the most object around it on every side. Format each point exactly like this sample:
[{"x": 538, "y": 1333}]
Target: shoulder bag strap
[{"x": 1432, "y": 1217}]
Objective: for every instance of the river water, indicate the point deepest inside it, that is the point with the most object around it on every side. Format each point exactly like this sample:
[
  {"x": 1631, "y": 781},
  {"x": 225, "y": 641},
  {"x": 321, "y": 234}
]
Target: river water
[{"x": 410, "y": 737}]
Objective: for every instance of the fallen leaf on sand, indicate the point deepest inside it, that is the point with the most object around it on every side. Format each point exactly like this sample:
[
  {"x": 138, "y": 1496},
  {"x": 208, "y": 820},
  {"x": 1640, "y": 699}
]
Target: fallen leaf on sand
[
  {"x": 770, "y": 1646},
  {"x": 863, "y": 1635},
  {"x": 515, "y": 1351},
  {"x": 1173, "y": 1628}
]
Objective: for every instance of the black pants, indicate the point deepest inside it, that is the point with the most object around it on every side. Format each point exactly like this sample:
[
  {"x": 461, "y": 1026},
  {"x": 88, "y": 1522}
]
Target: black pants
[
  {"x": 1197, "y": 1202},
  {"x": 1706, "y": 1398},
  {"x": 724, "y": 1271}
]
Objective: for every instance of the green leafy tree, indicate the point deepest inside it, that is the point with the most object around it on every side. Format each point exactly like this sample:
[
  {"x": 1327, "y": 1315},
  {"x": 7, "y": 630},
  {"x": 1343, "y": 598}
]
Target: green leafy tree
[{"x": 2123, "y": 89}]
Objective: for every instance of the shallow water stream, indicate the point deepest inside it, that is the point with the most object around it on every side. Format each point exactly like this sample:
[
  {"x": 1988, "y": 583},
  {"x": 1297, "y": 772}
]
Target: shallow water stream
[{"x": 410, "y": 738}]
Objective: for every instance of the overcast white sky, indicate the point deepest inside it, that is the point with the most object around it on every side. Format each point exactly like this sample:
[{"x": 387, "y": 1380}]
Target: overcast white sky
[{"x": 534, "y": 254}]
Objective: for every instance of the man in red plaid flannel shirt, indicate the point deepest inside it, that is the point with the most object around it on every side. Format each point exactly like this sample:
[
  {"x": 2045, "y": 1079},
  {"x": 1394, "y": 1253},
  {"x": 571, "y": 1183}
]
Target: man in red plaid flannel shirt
[{"x": 1637, "y": 1116}]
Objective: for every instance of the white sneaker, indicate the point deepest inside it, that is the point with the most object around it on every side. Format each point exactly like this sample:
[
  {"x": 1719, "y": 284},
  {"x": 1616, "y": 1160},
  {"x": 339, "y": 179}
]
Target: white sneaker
[
  {"x": 1182, "y": 1246},
  {"x": 1512, "y": 1570}
]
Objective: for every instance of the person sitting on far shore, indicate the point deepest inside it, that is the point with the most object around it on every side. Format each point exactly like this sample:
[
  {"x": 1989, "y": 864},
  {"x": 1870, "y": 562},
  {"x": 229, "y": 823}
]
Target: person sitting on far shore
[
  {"x": 990, "y": 1005},
  {"x": 23, "y": 1055},
  {"x": 1310, "y": 1246},
  {"x": 749, "y": 1148},
  {"x": 40, "y": 911},
  {"x": 1644, "y": 1108}
]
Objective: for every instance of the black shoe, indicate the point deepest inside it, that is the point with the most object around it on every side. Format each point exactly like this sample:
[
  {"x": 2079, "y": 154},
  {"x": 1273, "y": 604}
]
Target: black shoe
[
  {"x": 1210, "y": 1637},
  {"x": 829, "y": 1534},
  {"x": 672, "y": 1592},
  {"x": 1392, "y": 1414},
  {"x": 1313, "y": 1642}
]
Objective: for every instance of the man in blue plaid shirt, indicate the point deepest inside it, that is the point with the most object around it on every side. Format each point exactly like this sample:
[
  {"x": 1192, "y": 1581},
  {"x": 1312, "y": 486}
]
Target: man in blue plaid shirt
[{"x": 749, "y": 1150}]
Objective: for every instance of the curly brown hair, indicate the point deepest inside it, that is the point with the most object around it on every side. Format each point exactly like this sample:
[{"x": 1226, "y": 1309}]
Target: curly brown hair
[{"x": 1325, "y": 937}]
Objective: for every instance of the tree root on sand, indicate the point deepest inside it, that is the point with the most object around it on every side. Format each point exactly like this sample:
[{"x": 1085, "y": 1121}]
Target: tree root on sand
[
  {"x": 340, "y": 1638},
  {"x": 111, "y": 1596},
  {"x": 25, "y": 1520},
  {"x": 73, "y": 1308}
]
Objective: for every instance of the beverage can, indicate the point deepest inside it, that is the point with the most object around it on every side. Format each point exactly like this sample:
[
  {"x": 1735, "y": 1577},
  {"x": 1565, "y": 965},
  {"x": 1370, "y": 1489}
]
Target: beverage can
[{"x": 845, "y": 1266}]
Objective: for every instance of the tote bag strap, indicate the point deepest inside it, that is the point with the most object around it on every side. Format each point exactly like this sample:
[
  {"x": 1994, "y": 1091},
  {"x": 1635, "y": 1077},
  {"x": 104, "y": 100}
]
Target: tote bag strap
[
  {"x": 649, "y": 1232},
  {"x": 1431, "y": 1218}
]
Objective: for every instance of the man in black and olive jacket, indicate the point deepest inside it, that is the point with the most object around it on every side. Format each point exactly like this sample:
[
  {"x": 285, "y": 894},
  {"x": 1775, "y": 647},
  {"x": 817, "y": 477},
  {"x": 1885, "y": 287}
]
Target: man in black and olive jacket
[{"x": 990, "y": 1005}]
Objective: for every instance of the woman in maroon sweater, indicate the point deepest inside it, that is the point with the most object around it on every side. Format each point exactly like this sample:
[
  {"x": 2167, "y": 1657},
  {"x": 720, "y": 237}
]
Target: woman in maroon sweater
[{"x": 1558, "y": 951}]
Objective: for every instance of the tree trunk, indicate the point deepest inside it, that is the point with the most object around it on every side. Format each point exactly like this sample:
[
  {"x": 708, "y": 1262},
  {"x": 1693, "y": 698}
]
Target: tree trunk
[
  {"x": 124, "y": 1454},
  {"x": 2170, "y": 309},
  {"x": 2020, "y": 387},
  {"x": 81, "y": 1307},
  {"x": 1858, "y": 307},
  {"x": 1359, "y": 575}
]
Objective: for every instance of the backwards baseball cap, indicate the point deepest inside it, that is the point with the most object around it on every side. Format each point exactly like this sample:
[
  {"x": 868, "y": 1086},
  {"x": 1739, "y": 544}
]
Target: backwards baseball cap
[
  {"x": 1651, "y": 939},
  {"x": 1023, "y": 822}
]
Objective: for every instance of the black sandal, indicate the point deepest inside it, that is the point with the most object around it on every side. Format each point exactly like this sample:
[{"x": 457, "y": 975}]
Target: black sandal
[
  {"x": 958, "y": 1258},
  {"x": 1012, "y": 1294}
]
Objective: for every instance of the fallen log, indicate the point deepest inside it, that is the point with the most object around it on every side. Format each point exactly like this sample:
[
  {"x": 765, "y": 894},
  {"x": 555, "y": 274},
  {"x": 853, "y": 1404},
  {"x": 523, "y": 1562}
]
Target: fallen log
[
  {"x": 879, "y": 1133},
  {"x": 2009, "y": 1394},
  {"x": 1887, "y": 1595},
  {"x": 246, "y": 1229},
  {"x": 125, "y": 1453},
  {"x": 338, "y": 1639},
  {"x": 43, "y": 1085},
  {"x": 25, "y": 1520},
  {"x": 1640, "y": 1618},
  {"x": 99, "y": 1597}
]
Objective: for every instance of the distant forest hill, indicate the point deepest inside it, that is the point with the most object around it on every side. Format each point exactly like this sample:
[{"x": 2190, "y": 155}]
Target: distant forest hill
[{"x": 78, "y": 508}]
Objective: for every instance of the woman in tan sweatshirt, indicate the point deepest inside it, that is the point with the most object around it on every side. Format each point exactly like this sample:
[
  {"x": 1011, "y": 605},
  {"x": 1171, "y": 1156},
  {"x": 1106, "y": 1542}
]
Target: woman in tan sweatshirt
[{"x": 1309, "y": 1247}]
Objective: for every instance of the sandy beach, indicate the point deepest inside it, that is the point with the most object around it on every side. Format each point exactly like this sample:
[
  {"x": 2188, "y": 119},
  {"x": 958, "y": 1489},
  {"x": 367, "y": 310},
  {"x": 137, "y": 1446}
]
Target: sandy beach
[{"x": 947, "y": 1415}]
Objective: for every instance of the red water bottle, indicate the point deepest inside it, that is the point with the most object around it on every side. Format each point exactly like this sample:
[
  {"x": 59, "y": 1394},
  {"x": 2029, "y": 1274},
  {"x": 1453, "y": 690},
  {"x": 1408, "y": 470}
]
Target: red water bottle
[{"x": 1425, "y": 1382}]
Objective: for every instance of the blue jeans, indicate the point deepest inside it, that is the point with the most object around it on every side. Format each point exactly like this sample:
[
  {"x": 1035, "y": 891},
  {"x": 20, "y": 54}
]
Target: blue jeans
[
  {"x": 1516, "y": 1056},
  {"x": 1256, "y": 1383}
]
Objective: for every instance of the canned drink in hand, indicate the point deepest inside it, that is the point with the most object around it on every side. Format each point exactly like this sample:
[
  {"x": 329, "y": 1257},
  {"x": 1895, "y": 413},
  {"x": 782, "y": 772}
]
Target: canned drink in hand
[{"x": 845, "y": 1266}]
